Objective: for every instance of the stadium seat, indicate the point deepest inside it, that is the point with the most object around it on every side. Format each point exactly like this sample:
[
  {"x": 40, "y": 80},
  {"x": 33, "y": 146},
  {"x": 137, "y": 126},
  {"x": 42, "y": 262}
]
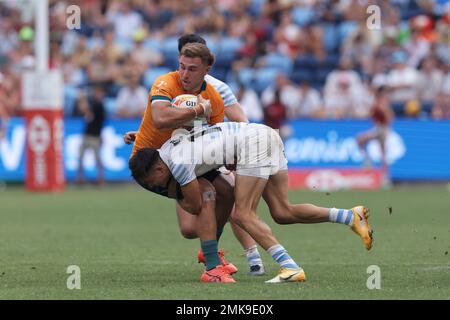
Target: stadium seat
[
  {"x": 212, "y": 44},
  {"x": 170, "y": 47},
  {"x": 345, "y": 29},
  {"x": 246, "y": 76},
  {"x": 256, "y": 7},
  {"x": 321, "y": 75},
  {"x": 279, "y": 62},
  {"x": 153, "y": 44},
  {"x": 331, "y": 61},
  {"x": 302, "y": 75},
  {"x": 409, "y": 13},
  {"x": 71, "y": 95},
  {"x": 219, "y": 73},
  {"x": 228, "y": 47},
  {"x": 94, "y": 43},
  {"x": 398, "y": 108},
  {"x": 318, "y": 86},
  {"x": 223, "y": 61},
  {"x": 151, "y": 74},
  {"x": 171, "y": 63},
  {"x": 409, "y": 9},
  {"x": 265, "y": 77},
  {"x": 110, "y": 106},
  {"x": 330, "y": 38},
  {"x": 427, "y": 107},
  {"x": 302, "y": 16},
  {"x": 305, "y": 62},
  {"x": 125, "y": 44}
]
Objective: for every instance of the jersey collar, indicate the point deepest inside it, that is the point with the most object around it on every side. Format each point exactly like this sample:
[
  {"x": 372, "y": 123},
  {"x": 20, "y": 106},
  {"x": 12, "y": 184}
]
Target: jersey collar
[{"x": 203, "y": 88}]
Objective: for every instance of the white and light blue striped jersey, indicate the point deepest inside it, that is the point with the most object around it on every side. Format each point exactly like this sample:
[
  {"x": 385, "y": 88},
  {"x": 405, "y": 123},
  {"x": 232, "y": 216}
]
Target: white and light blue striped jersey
[
  {"x": 224, "y": 90},
  {"x": 190, "y": 154}
]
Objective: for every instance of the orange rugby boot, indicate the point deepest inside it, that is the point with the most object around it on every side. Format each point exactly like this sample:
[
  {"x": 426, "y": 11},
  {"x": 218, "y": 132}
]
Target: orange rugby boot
[
  {"x": 218, "y": 274},
  {"x": 229, "y": 267}
]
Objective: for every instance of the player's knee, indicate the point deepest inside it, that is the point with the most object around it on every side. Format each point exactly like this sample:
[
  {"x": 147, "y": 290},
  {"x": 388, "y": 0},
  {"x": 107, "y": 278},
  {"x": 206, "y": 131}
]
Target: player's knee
[
  {"x": 281, "y": 214},
  {"x": 281, "y": 218},
  {"x": 232, "y": 218},
  {"x": 240, "y": 220},
  {"x": 188, "y": 232},
  {"x": 243, "y": 216}
]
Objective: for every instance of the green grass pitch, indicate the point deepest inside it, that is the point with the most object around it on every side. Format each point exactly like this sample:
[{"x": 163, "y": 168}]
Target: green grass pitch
[{"x": 127, "y": 244}]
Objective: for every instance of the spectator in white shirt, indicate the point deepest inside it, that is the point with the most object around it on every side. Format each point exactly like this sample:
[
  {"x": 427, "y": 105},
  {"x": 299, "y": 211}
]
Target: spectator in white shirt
[
  {"x": 417, "y": 48},
  {"x": 344, "y": 93},
  {"x": 340, "y": 101},
  {"x": 125, "y": 20},
  {"x": 289, "y": 93},
  {"x": 430, "y": 80},
  {"x": 250, "y": 103},
  {"x": 402, "y": 80},
  {"x": 132, "y": 98},
  {"x": 335, "y": 78},
  {"x": 309, "y": 105}
]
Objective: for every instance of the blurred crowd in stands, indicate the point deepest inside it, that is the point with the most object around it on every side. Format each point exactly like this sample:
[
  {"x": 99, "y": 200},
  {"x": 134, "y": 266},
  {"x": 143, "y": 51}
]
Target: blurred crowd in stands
[{"x": 292, "y": 58}]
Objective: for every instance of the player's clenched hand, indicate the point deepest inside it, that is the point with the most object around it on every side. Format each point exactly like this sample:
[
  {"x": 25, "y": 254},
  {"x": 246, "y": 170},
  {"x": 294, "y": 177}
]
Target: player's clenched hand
[
  {"x": 129, "y": 137},
  {"x": 206, "y": 106}
]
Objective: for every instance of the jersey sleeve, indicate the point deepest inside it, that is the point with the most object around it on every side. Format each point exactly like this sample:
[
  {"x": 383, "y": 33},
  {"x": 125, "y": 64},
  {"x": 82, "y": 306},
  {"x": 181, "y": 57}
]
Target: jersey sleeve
[
  {"x": 224, "y": 90},
  {"x": 182, "y": 169},
  {"x": 161, "y": 90},
  {"x": 217, "y": 106},
  {"x": 183, "y": 173},
  {"x": 227, "y": 95}
]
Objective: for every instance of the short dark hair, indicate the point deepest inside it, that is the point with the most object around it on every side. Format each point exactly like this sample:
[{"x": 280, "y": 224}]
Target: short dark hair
[
  {"x": 198, "y": 50},
  {"x": 141, "y": 163},
  {"x": 189, "y": 38}
]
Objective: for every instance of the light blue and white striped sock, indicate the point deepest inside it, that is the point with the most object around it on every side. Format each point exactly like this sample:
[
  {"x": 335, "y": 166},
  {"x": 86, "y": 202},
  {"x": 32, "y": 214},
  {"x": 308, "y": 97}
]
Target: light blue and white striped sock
[
  {"x": 253, "y": 256},
  {"x": 340, "y": 216},
  {"x": 281, "y": 256}
]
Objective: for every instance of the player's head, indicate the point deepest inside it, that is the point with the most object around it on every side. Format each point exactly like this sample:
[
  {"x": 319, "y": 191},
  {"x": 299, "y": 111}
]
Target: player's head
[
  {"x": 148, "y": 169},
  {"x": 195, "y": 62},
  {"x": 189, "y": 38}
]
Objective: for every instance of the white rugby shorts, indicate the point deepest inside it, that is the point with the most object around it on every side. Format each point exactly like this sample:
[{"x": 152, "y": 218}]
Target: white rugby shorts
[{"x": 260, "y": 152}]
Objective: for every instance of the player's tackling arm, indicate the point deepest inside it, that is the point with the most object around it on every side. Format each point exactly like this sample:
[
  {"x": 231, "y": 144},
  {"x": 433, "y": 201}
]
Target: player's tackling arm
[
  {"x": 192, "y": 201},
  {"x": 235, "y": 113},
  {"x": 233, "y": 110}
]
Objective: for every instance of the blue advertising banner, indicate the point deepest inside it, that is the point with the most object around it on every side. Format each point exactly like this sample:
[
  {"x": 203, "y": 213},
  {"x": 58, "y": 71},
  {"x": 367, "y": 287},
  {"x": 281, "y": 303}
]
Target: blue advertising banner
[
  {"x": 416, "y": 149},
  {"x": 114, "y": 151}
]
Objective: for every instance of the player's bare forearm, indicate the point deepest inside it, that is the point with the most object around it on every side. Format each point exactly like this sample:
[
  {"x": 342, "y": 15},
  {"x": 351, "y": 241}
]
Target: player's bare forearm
[
  {"x": 192, "y": 201},
  {"x": 235, "y": 113},
  {"x": 165, "y": 117}
]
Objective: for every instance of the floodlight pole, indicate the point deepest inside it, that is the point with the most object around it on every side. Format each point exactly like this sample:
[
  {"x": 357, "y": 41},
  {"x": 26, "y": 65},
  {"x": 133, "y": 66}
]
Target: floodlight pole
[{"x": 41, "y": 43}]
